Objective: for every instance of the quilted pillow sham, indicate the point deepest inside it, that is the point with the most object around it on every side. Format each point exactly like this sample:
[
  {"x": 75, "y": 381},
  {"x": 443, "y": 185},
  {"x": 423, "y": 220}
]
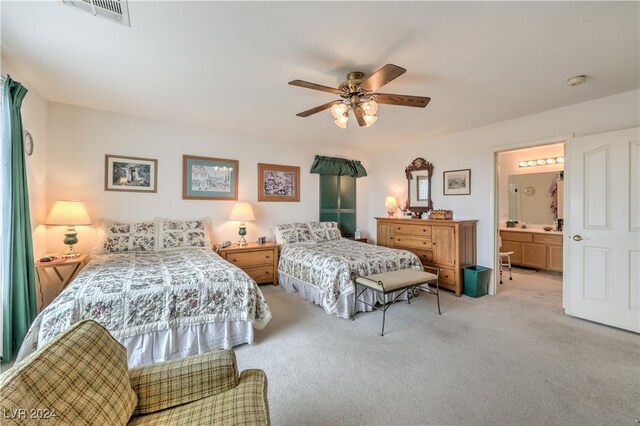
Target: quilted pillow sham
[
  {"x": 178, "y": 234},
  {"x": 114, "y": 237},
  {"x": 293, "y": 233},
  {"x": 324, "y": 231}
]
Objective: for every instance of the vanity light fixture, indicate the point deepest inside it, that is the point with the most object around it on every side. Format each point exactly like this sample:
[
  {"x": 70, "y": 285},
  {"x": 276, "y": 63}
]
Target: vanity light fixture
[{"x": 541, "y": 162}]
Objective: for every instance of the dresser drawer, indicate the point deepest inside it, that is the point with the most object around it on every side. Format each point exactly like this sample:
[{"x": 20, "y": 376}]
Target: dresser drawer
[
  {"x": 261, "y": 274},
  {"x": 425, "y": 256},
  {"x": 524, "y": 237},
  {"x": 412, "y": 229},
  {"x": 412, "y": 242},
  {"x": 547, "y": 239},
  {"x": 447, "y": 276},
  {"x": 247, "y": 259}
]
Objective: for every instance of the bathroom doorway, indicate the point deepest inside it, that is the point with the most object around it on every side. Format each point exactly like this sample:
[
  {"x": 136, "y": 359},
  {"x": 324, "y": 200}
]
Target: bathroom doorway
[{"x": 530, "y": 202}]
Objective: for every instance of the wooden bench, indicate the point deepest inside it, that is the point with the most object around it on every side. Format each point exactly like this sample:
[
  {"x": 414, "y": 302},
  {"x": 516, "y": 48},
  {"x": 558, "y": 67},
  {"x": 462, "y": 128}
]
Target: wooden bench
[{"x": 402, "y": 280}]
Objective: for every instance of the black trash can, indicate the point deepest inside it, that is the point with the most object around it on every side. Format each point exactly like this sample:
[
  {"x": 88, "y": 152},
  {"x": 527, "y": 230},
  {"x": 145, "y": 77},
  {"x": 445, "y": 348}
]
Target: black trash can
[{"x": 476, "y": 280}]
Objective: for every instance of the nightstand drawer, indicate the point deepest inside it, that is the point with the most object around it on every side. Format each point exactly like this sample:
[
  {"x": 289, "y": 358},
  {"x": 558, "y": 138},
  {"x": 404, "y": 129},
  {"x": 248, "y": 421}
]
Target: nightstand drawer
[
  {"x": 251, "y": 258},
  {"x": 261, "y": 274}
]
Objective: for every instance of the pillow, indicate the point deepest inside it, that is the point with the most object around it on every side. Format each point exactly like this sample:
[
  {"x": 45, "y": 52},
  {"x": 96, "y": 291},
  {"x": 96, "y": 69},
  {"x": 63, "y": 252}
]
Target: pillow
[
  {"x": 178, "y": 234},
  {"x": 324, "y": 231},
  {"x": 114, "y": 237},
  {"x": 293, "y": 233}
]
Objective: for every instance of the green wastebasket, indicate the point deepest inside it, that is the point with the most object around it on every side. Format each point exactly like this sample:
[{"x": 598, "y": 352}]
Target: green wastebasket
[{"x": 476, "y": 280}]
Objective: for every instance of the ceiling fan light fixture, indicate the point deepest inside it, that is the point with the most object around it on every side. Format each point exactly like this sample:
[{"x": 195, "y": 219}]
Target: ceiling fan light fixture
[
  {"x": 338, "y": 110},
  {"x": 342, "y": 121},
  {"x": 370, "y": 107},
  {"x": 370, "y": 119}
]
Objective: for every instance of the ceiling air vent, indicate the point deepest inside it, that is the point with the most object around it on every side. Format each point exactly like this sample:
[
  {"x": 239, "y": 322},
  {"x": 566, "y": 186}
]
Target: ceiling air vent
[{"x": 114, "y": 10}]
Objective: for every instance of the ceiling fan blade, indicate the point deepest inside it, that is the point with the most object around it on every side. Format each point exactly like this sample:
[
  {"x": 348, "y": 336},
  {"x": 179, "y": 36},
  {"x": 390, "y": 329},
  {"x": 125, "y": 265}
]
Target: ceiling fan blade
[
  {"x": 382, "y": 76},
  {"x": 317, "y": 109},
  {"x": 402, "y": 100},
  {"x": 359, "y": 113},
  {"x": 314, "y": 86}
]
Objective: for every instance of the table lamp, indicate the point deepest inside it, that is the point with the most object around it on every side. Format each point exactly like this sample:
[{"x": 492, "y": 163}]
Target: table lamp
[
  {"x": 69, "y": 214},
  {"x": 242, "y": 211},
  {"x": 391, "y": 204}
]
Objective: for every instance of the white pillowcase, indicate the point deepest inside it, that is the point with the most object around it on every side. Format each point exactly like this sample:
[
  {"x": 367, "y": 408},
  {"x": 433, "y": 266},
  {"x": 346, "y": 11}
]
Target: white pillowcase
[
  {"x": 115, "y": 237},
  {"x": 324, "y": 231},
  {"x": 178, "y": 234},
  {"x": 293, "y": 233}
]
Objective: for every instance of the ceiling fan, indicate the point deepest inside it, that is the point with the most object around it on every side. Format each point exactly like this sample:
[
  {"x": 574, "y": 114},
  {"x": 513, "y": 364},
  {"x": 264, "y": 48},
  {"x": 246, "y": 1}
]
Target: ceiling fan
[{"x": 359, "y": 94}]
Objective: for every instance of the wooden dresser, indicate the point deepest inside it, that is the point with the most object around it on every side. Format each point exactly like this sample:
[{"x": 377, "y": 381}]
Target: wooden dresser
[
  {"x": 542, "y": 250},
  {"x": 446, "y": 244},
  {"x": 260, "y": 261}
]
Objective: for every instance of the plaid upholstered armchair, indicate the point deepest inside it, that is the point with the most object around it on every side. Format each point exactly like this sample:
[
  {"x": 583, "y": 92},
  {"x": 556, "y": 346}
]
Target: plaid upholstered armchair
[{"x": 81, "y": 377}]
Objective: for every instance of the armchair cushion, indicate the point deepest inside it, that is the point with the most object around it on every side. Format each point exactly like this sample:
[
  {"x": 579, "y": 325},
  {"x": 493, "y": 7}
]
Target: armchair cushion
[
  {"x": 80, "y": 377},
  {"x": 245, "y": 404},
  {"x": 172, "y": 383}
]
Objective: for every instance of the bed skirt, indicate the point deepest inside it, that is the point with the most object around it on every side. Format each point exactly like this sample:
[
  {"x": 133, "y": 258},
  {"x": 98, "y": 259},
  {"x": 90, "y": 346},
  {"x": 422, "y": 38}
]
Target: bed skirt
[
  {"x": 165, "y": 345},
  {"x": 344, "y": 308}
]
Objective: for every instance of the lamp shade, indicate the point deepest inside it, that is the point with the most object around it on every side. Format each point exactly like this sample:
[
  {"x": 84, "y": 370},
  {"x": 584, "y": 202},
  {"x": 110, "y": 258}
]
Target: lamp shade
[
  {"x": 391, "y": 202},
  {"x": 242, "y": 211},
  {"x": 69, "y": 213}
]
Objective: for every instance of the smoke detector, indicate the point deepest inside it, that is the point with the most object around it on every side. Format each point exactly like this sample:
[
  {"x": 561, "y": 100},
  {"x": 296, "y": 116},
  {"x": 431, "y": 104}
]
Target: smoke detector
[
  {"x": 578, "y": 79},
  {"x": 113, "y": 10}
]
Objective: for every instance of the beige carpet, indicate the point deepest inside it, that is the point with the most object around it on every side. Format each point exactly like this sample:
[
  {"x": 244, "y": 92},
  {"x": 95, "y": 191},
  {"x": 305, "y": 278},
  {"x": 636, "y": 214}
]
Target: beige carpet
[{"x": 514, "y": 358}]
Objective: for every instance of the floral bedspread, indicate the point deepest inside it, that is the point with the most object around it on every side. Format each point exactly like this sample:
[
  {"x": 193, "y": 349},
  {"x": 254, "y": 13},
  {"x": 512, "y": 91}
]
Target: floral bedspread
[
  {"x": 327, "y": 265},
  {"x": 135, "y": 293}
]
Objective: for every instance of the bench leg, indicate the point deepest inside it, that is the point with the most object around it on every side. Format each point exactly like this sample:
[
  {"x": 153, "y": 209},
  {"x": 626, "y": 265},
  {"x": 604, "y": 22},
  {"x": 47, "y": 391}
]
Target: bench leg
[
  {"x": 384, "y": 311},
  {"x": 438, "y": 296}
]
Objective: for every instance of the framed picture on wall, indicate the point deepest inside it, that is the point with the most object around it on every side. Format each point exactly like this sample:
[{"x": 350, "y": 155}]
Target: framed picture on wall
[
  {"x": 130, "y": 174},
  {"x": 206, "y": 178},
  {"x": 278, "y": 183},
  {"x": 457, "y": 182}
]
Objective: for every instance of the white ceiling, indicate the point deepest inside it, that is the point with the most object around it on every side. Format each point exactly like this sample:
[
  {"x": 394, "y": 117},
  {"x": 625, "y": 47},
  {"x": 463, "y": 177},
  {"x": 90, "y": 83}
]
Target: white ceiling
[{"x": 226, "y": 65}]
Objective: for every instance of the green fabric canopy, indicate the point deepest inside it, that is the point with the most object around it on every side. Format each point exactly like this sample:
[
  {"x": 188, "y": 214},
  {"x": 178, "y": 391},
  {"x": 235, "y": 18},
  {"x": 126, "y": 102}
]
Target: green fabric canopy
[
  {"x": 337, "y": 167},
  {"x": 18, "y": 274}
]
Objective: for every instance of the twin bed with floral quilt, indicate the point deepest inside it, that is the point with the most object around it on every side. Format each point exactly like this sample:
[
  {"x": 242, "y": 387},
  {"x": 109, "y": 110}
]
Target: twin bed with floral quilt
[
  {"x": 173, "y": 298},
  {"x": 318, "y": 264}
]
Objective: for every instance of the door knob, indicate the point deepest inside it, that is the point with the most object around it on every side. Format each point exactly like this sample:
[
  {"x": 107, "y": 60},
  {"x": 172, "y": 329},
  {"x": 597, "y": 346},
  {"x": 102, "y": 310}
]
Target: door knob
[{"x": 577, "y": 238}]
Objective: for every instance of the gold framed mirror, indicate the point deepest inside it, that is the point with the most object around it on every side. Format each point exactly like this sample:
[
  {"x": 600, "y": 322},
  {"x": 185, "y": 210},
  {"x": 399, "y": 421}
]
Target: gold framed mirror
[{"x": 418, "y": 175}]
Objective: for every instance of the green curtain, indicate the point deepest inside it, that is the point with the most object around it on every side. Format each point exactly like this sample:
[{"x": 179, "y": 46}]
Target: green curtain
[
  {"x": 337, "y": 167},
  {"x": 18, "y": 277}
]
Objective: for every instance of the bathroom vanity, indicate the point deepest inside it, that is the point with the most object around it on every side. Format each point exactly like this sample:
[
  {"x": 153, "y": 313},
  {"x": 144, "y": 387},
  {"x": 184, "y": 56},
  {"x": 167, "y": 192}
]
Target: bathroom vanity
[{"x": 535, "y": 248}]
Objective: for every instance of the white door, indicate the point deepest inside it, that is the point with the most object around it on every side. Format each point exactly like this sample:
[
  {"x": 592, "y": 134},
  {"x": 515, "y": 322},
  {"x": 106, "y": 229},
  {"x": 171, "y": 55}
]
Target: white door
[{"x": 602, "y": 232}]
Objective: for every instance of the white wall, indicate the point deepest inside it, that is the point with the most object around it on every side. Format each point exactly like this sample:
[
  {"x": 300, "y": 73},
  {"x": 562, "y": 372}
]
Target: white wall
[
  {"x": 475, "y": 149},
  {"x": 79, "y": 139},
  {"x": 508, "y": 166}
]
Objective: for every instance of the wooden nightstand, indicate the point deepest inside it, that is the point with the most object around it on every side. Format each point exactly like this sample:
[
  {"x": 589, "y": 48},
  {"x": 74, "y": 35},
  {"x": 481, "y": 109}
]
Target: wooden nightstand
[
  {"x": 260, "y": 261},
  {"x": 59, "y": 272},
  {"x": 361, "y": 240}
]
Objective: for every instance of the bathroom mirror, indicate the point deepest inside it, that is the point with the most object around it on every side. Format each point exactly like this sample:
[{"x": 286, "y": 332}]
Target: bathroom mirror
[
  {"x": 418, "y": 175},
  {"x": 530, "y": 198}
]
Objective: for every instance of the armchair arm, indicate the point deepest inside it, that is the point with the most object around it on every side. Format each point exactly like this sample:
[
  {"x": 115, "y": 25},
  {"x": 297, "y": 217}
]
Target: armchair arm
[{"x": 167, "y": 384}]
